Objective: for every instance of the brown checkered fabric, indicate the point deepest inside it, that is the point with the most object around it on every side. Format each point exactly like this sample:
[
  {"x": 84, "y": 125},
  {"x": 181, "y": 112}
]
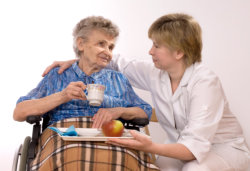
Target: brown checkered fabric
[{"x": 56, "y": 154}]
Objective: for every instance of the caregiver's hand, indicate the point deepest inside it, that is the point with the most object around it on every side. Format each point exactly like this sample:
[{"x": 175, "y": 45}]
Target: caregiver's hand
[
  {"x": 140, "y": 142},
  {"x": 62, "y": 64}
]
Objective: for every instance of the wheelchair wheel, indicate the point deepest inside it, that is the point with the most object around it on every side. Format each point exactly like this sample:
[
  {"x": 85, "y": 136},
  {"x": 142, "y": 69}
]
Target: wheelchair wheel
[
  {"x": 24, "y": 153},
  {"x": 16, "y": 157}
]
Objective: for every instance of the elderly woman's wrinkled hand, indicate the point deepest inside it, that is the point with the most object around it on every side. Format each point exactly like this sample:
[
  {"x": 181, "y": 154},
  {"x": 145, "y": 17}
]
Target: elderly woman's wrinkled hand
[
  {"x": 105, "y": 115},
  {"x": 74, "y": 91}
]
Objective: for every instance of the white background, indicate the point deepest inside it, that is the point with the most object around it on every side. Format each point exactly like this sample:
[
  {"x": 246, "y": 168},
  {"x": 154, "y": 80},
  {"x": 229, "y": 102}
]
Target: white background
[{"x": 33, "y": 34}]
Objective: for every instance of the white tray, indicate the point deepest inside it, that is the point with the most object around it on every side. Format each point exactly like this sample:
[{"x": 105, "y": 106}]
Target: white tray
[{"x": 91, "y": 134}]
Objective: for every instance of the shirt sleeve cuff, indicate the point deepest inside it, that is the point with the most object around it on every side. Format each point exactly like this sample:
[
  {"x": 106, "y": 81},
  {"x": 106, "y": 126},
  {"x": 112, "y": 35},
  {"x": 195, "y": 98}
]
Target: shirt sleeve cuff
[
  {"x": 198, "y": 148},
  {"x": 21, "y": 99}
]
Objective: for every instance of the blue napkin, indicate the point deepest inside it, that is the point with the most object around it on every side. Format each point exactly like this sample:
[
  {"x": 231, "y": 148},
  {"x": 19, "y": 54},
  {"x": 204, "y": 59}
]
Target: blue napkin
[{"x": 69, "y": 132}]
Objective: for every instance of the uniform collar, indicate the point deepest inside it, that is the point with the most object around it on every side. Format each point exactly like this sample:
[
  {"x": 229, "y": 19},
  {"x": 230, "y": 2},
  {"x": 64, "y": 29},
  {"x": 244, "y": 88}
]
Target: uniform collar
[
  {"x": 184, "y": 82},
  {"x": 186, "y": 76},
  {"x": 164, "y": 76}
]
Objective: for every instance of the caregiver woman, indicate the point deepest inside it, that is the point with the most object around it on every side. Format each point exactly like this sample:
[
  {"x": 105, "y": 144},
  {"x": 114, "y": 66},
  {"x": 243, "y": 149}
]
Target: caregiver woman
[{"x": 202, "y": 132}]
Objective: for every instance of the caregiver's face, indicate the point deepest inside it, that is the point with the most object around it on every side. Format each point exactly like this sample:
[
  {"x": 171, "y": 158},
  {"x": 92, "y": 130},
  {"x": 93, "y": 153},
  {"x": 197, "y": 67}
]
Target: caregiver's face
[{"x": 163, "y": 57}]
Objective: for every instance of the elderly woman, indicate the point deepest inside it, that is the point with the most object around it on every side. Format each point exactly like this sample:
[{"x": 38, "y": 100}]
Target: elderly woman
[
  {"x": 62, "y": 96},
  {"x": 62, "y": 99},
  {"x": 203, "y": 133}
]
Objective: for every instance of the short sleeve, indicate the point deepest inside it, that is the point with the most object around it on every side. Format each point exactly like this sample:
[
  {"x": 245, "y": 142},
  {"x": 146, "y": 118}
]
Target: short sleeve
[{"x": 38, "y": 92}]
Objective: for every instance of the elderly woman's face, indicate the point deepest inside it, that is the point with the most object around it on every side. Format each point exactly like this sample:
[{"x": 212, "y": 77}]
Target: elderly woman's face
[{"x": 97, "y": 51}]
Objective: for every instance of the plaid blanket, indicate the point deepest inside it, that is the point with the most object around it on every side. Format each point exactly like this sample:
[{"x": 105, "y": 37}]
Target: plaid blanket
[{"x": 55, "y": 154}]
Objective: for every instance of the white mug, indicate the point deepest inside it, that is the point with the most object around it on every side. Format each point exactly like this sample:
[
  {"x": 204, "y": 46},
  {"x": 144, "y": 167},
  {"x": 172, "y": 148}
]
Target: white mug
[{"x": 95, "y": 94}]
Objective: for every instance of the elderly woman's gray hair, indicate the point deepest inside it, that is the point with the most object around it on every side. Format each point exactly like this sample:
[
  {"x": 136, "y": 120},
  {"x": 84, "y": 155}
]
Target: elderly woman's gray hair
[{"x": 86, "y": 25}]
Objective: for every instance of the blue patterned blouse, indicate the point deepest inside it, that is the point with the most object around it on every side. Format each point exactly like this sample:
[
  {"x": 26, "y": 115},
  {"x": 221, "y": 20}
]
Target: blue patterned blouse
[{"x": 118, "y": 92}]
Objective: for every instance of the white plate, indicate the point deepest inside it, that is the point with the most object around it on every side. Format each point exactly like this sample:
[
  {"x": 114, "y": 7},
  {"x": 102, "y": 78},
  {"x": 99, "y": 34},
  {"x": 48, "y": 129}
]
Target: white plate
[{"x": 91, "y": 134}]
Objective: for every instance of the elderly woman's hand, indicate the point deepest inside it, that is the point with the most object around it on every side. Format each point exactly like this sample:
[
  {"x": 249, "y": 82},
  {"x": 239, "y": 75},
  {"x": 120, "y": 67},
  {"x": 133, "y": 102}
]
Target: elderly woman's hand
[
  {"x": 105, "y": 115},
  {"x": 74, "y": 91}
]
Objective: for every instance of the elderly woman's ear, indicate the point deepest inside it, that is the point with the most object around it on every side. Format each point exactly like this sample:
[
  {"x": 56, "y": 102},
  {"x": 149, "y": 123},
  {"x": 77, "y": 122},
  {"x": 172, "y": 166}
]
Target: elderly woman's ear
[{"x": 80, "y": 44}]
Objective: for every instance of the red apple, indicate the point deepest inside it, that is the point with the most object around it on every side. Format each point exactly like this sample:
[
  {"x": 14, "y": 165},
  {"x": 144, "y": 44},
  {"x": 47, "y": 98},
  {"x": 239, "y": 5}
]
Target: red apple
[{"x": 113, "y": 128}]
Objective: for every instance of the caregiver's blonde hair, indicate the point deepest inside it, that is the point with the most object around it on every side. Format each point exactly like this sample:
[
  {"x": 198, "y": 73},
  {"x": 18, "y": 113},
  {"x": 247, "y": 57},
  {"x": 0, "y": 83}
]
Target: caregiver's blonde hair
[{"x": 179, "y": 32}]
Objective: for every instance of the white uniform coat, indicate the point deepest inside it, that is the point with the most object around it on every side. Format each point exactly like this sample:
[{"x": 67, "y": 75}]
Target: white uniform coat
[{"x": 197, "y": 115}]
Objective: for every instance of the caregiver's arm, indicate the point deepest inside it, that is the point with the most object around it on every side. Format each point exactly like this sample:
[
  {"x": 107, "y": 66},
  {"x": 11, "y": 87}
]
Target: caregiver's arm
[
  {"x": 138, "y": 72},
  {"x": 62, "y": 64},
  {"x": 143, "y": 143},
  {"x": 177, "y": 151}
]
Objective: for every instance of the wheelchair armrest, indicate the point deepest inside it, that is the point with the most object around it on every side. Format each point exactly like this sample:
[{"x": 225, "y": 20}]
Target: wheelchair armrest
[
  {"x": 135, "y": 123},
  {"x": 141, "y": 122},
  {"x": 33, "y": 119}
]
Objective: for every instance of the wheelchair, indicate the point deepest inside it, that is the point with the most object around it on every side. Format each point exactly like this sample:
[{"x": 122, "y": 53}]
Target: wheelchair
[{"x": 27, "y": 151}]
